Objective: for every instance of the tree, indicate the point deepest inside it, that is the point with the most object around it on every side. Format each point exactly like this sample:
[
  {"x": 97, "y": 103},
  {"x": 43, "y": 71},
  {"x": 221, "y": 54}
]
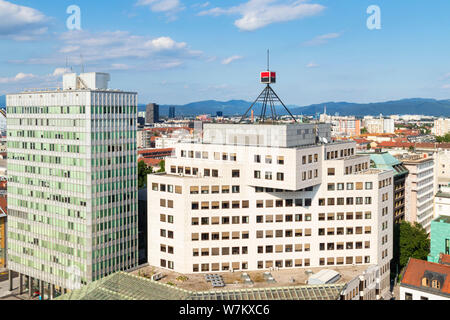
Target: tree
[
  {"x": 368, "y": 146},
  {"x": 445, "y": 138},
  {"x": 364, "y": 130},
  {"x": 410, "y": 241},
  {"x": 143, "y": 171},
  {"x": 162, "y": 166}
]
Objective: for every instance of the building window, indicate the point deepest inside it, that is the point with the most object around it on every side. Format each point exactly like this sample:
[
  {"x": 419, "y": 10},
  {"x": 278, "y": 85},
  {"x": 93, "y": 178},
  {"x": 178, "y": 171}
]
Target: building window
[{"x": 408, "y": 296}]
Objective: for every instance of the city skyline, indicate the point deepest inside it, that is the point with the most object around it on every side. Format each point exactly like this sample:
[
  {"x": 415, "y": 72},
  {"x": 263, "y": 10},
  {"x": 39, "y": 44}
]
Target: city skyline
[{"x": 196, "y": 49}]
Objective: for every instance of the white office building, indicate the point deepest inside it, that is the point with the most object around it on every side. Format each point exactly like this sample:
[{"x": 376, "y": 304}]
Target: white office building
[{"x": 256, "y": 197}]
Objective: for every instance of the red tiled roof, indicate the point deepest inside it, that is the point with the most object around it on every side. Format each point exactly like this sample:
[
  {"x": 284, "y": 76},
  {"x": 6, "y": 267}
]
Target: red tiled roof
[
  {"x": 359, "y": 141},
  {"x": 150, "y": 151},
  {"x": 170, "y": 129},
  {"x": 394, "y": 144},
  {"x": 431, "y": 145},
  {"x": 151, "y": 162},
  {"x": 416, "y": 269}
]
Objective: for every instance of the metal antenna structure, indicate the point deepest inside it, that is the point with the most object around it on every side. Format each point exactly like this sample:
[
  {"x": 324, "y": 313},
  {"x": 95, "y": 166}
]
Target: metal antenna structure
[{"x": 268, "y": 98}]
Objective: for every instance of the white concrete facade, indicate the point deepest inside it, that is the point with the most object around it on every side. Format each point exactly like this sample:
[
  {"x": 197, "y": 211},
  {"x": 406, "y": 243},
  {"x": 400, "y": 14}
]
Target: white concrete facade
[
  {"x": 420, "y": 190},
  {"x": 223, "y": 207},
  {"x": 410, "y": 293}
]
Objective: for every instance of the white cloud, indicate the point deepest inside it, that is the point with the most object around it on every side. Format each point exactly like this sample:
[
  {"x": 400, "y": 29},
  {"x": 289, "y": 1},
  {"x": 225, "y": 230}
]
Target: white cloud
[
  {"x": 312, "y": 65},
  {"x": 21, "y": 23},
  {"x": 169, "y": 7},
  {"x": 256, "y": 14},
  {"x": 60, "y": 71},
  {"x": 231, "y": 59},
  {"x": 20, "y": 77},
  {"x": 201, "y": 5},
  {"x": 126, "y": 51},
  {"x": 319, "y": 40}
]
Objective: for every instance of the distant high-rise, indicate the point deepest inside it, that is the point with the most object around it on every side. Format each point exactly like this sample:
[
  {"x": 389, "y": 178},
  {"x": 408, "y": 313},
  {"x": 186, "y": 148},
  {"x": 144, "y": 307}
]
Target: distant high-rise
[
  {"x": 152, "y": 113},
  {"x": 171, "y": 112}
]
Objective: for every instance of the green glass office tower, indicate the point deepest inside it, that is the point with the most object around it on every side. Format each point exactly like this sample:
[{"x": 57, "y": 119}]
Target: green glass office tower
[{"x": 72, "y": 182}]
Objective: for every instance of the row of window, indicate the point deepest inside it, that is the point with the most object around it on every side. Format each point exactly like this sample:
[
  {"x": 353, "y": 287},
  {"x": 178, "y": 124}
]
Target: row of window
[
  {"x": 283, "y": 233},
  {"x": 348, "y": 216},
  {"x": 194, "y": 171},
  {"x": 205, "y": 155},
  {"x": 205, "y": 221},
  {"x": 340, "y": 260},
  {"x": 340, "y": 231},
  {"x": 224, "y": 266},
  {"x": 234, "y": 235},
  {"x": 268, "y": 159},
  {"x": 167, "y": 188},
  {"x": 214, "y": 189},
  {"x": 224, "y": 251},
  {"x": 268, "y": 175},
  {"x": 348, "y": 201},
  {"x": 335, "y": 154},
  {"x": 349, "y": 186},
  {"x": 347, "y": 245}
]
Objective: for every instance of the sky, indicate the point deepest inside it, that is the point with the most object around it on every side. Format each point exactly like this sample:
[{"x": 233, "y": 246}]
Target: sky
[{"x": 181, "y": 51}]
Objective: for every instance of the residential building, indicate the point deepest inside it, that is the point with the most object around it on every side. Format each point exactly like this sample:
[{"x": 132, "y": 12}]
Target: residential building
[
  {"x": 72, "y": 182},
  {"x": 442, "y": 157},
  {"x": 442, "y": 202},
  {"x": 420, "y": 188},
  {"x": 258, "y": 197},
  {"x": 342, "y": 126},
  {"x": 384, "y": 160},
  {"x": 379, "y": 125},
  {"x": 152, "y": 113},
  {"x": 441, "y": 127},
  {"x": 424, "y": 280}
]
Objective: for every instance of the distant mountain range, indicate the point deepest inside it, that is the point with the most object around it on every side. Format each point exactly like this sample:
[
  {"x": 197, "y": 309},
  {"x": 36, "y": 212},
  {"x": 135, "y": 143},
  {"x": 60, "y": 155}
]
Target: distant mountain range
[{"x": 428, "y": 107}]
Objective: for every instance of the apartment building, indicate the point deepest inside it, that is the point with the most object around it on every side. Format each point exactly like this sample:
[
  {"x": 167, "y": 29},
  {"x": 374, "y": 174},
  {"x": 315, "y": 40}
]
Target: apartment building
[
  {"x": 379, "y": 125},
  {"x": 254, "y": 197},
  {"x": 441, "y": 127},
  {"x": 420, "y": 189},
  {"x": 72, "y": 182}
]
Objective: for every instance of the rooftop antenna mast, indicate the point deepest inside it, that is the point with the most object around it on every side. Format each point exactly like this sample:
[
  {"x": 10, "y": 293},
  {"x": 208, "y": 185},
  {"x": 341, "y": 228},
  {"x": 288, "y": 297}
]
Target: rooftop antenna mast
[
  {"x": 268, "y": 97},
  {"x": 82, "y": 63}
]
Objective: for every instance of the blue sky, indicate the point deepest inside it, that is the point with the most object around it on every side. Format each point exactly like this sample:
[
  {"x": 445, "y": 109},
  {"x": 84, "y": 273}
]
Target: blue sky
[{"x": 179, "y": 51}]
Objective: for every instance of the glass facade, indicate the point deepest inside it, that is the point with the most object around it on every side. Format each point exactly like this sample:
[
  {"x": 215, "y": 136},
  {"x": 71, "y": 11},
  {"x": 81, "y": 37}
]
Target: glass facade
[{"x": 72, "y": 184}]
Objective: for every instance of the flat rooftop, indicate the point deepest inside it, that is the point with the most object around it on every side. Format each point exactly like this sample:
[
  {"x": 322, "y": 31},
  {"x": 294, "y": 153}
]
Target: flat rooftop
[{"x": 233, "y": 280}]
